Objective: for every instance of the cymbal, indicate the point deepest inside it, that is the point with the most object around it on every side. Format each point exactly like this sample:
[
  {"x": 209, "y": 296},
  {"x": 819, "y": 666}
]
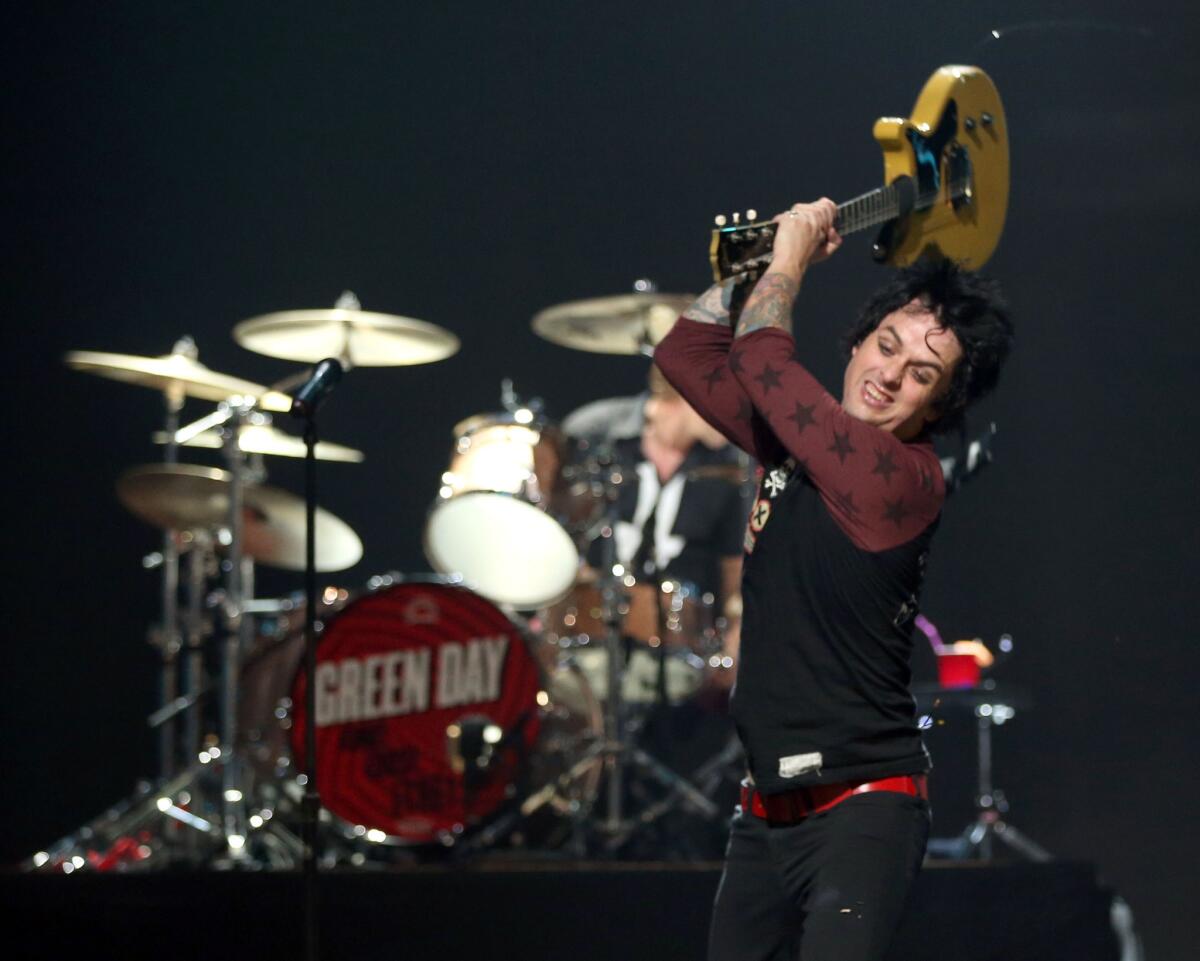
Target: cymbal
[
  {"x": 366, "y": 339},
  {"x": 622, "y": 324},
  {"x": 267, "y": 439},
  {"x": 173, "y": 373},
  {"x": 188, "y": 497}
]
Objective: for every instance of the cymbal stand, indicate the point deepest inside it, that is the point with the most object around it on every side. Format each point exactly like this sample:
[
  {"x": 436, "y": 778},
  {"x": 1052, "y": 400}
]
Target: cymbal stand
[
  {"x": 197, "y": 629},
  {"x": 168, "y": 637},
  {"x": 611, "y": 596},
  {"x": 237, "y": 622},
  {"x": 680, "y": 789},
  {"x": 238, "y": 628},
  {"x": 109, "y": 840},
  {"x": 619, "y": 746}
]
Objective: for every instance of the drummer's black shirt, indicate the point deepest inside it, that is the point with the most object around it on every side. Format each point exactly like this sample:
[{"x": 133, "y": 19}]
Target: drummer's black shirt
[
  {"x": 710, "y": 517},
  {"x": 835, "y": 552}
]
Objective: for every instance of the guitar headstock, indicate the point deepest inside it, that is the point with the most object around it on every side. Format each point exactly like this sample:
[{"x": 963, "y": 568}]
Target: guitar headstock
[{"x": 741, "y": 247}]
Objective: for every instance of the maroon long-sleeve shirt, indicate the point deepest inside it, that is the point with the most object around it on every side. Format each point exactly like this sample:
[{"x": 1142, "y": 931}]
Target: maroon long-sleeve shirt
[{"x": 836, "y": 548}]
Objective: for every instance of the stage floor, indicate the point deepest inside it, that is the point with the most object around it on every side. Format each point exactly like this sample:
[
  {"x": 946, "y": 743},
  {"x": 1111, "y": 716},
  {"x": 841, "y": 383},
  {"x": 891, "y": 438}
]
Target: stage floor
[{"x": 500, "y": 911}]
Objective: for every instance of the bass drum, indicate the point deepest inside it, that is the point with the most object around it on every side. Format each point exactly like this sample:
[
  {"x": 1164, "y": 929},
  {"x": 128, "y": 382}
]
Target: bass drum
[{"x": 433, "y": 716}]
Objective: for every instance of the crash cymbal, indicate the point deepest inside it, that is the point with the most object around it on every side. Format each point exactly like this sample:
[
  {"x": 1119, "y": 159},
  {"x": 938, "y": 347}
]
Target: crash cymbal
[
  {"x": 363, "y": 338},
  {"x": 267, "y": 439},
  {"x": 622, "y": 324},
  {"x": 188, "y": 497},
  {"x": 175, "y": 373}
]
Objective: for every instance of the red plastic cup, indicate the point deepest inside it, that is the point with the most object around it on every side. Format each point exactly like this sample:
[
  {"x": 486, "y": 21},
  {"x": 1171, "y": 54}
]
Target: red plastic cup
[{"x": 957, "y": 670}]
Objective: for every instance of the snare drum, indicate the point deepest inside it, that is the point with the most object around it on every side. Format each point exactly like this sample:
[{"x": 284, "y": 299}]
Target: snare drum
[
  {"x": 433, "y": 715},
  {"x": 492, "y": 523}
]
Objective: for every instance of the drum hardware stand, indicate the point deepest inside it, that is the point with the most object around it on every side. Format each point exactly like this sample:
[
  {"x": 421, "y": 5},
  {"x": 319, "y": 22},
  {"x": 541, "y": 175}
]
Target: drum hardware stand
[
  {"x": 167, "y": 637},
  {"x": 238, "y": 628},
  {"x": 618, "y": 747},
  {"x": 990, "y": 803},
  {"x": 991, "y": 709},
  {"x": 679, "y": 789},
  {"x": 156, "y": 800},
  {"x": 88, "y": 844},
  {"x": 236, "y": 603},
  {"x": 237, "y": 625},
  {"x": 197, "y": 629},
  {"x": 729, "y": 763}
]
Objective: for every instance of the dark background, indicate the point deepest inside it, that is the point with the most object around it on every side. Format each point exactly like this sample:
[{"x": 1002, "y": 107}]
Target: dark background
[{"x": 174, "y": 169}]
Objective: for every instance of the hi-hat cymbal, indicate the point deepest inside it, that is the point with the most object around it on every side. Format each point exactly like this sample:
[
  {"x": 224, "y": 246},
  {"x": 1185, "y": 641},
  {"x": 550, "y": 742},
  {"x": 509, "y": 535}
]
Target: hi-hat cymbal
[
  {"x": 363, "y": 338},
  {"x": 176, "y": 373},
  {"x": 622, "y": 324},
  {"x": 188, "y": 497},
  {"x": 267, "y": 439}
]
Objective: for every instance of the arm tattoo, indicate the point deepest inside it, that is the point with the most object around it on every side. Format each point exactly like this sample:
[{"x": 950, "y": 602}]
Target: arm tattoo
[
  {"x": 770, "y": 305},
  {"x": 714, "y": 306}
]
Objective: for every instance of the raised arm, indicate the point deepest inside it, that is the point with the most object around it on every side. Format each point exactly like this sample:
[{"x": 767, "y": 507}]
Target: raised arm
[
  {"x": 881, "y": 491},
  {"x": 694, "y": 357}
]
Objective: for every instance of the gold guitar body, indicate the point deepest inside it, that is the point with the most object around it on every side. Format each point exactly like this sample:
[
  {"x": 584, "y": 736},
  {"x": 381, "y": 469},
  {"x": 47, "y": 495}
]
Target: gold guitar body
[
  {"x": 959, "y": 107},
  {"x": 945, "y": 191}
]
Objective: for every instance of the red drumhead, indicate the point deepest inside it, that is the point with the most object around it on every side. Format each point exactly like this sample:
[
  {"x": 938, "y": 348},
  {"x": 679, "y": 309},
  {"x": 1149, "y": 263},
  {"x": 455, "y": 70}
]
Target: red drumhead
[{"x": 395, "y": 669}]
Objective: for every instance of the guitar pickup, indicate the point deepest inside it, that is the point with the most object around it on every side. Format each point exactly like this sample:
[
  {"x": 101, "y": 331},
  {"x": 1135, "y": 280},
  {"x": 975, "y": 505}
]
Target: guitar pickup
[{"x": 960, "y": 178}]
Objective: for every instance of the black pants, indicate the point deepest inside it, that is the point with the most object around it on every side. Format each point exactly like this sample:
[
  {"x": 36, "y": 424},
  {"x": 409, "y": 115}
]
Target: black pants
[{"x": 830, "y": 888}]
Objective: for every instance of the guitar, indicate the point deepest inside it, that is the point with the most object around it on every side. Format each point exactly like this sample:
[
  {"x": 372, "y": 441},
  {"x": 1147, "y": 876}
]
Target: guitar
[{"x": 946, "y": 176}]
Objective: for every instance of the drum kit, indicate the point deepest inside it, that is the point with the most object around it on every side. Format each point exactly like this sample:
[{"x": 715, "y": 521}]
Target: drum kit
[{"x": 491, "y": 706}]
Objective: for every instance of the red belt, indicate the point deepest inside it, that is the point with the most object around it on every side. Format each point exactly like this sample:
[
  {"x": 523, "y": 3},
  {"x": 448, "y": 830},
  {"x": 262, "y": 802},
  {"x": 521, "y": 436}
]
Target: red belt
[{"x": 792, "y": 806}]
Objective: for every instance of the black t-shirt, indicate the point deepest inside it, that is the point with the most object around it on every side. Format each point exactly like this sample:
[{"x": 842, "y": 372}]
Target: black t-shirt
[
  {"x": 823, "y": 680},
  {"x": 835, "y": 548}
]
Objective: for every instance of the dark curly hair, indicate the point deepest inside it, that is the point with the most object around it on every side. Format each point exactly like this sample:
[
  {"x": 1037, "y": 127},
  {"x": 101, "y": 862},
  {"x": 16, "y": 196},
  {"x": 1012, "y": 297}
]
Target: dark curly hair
[{"x": 966, "y": 303}]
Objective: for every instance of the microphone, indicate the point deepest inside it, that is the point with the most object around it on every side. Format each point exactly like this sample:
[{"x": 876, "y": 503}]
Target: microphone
[{"x": 312, "y": 392}]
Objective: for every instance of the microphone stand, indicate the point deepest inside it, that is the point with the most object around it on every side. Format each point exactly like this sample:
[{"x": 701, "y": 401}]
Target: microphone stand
[
  {"x": 306, "y": 401},
  {"x": 311, "y": 805}
]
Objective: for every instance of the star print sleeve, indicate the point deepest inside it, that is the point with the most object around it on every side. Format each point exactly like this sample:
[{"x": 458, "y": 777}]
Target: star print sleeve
[
  {"x": 695, "y": 359},
  {"x": 881, "y": 491}
]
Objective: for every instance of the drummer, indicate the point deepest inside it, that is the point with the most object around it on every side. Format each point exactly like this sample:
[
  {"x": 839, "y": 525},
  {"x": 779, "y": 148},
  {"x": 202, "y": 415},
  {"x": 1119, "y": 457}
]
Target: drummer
[{"x": 683, "y": 511}]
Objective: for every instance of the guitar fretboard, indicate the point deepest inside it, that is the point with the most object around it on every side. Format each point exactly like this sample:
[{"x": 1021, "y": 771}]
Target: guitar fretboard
[{"x": 875, "y": 207}]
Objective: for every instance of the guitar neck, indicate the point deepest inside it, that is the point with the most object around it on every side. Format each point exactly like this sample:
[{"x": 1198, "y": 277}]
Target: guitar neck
[
  {"x": 744, "y": 250},
  {"x": 868, "y": 210},
  {"x": 863, "y": 212}
]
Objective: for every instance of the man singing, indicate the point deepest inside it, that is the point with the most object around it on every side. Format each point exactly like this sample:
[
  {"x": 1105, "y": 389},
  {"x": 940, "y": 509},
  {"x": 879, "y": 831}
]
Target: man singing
[{"x": 834, "y": 819}]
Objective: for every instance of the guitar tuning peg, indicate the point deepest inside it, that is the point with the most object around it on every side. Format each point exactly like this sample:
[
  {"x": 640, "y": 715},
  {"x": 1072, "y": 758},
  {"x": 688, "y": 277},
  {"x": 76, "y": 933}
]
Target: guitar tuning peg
[
  {"x": 719, "y": 220},
  {"x": 752, "y": 214},
  {"x": 737, "y": 218}
]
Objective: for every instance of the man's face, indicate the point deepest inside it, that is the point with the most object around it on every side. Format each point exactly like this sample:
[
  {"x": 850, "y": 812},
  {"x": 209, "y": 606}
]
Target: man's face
[{"x": 896, "y": 375}]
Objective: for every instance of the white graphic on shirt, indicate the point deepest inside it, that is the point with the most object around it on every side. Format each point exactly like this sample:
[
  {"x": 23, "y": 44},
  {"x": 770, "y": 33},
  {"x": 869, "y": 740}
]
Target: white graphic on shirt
[
  {"x": 797, "y": 764},
  {"x": 777, "y": 480},
  {"x": 628, "y": 534}
]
